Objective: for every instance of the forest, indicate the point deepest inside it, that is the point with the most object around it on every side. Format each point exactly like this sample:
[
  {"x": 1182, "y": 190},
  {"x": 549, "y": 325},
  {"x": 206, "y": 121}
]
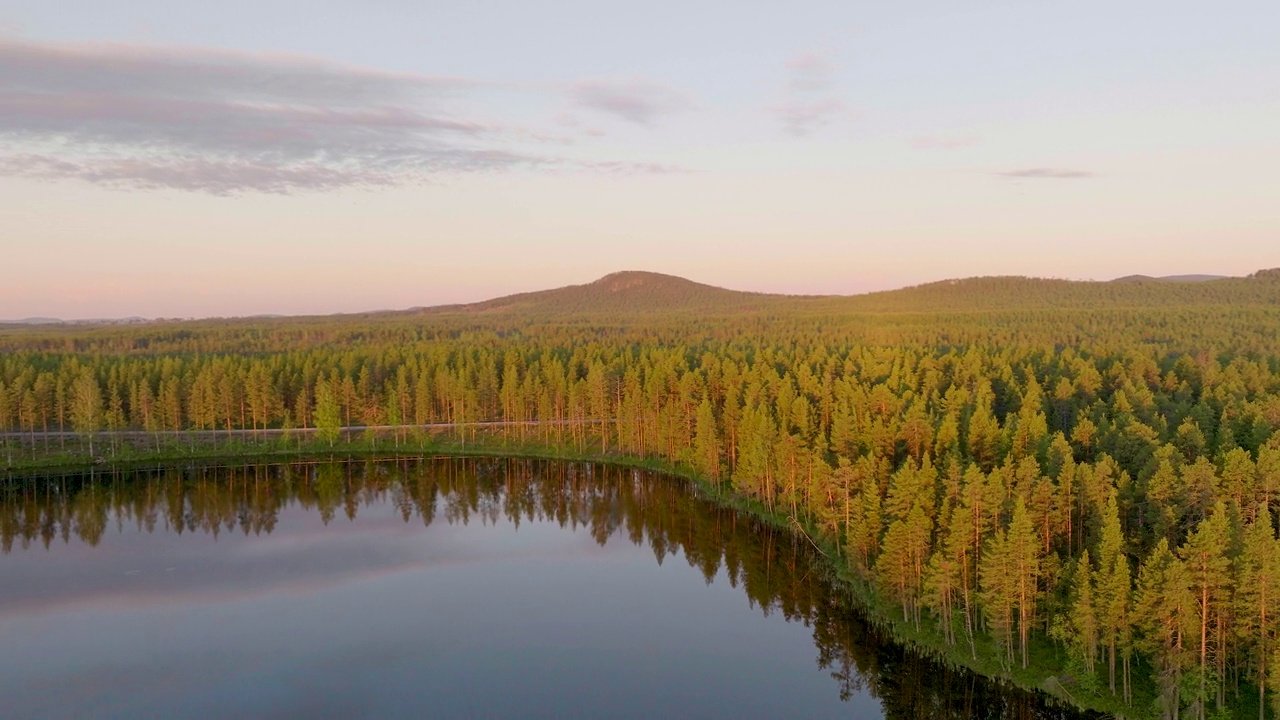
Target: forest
[{"x": 1042, "y": 479}]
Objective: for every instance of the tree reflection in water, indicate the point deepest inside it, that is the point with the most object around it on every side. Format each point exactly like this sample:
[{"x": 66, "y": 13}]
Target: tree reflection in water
[{"x": 778, "y": 571}]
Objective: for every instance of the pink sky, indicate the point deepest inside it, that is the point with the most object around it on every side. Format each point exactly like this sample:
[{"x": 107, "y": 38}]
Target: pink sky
[{"x": 161, "y": 163}]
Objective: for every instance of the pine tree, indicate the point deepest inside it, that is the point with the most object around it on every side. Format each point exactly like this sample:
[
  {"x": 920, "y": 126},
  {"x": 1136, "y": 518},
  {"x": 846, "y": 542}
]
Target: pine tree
[
  {"x": 1084, "y": 625},
  {"x": 901, "y": 566},
  {"x": 940, "y": 589},
  {"x": 1258, "y": 598},
  {"x": 998, "y": 590},
  {"x": 983, "y": 433},
  {"x": 961, "y": 550},
  {"x": 6, "y": 408},
  {"x": 1118, "y": 591},
  {"x": 1205, "y": 555},
  {"x": 706, "y": 448},
  {"x": 328, "y": 413},
  {"x": 86, "y": 406},
  {"x": 1030, "y": 429},
  {"x": 1024, "y": 563},
  {"x": 1166, "y": 613},
  {"x": 864, "y": 529}
]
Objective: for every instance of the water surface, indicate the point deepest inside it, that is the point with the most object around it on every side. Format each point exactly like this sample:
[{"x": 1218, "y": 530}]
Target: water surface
[{"x": 433, "y": 588}]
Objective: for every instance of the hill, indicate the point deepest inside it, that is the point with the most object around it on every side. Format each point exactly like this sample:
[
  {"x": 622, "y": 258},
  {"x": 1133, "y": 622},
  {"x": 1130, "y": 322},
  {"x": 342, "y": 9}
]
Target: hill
[
  {"x": 1022, "y": 293},
  {"x": 644, "y": 294},
  {"x": 632, "y": 292},
  {"x": 626, "y": 292},
  {"x": 1169, "y": 278},
  {"x": 649, "y": 293}
]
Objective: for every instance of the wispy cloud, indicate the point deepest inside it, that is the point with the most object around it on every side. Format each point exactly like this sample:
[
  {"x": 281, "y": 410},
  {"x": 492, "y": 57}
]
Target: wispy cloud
[
  {"x": 1047, "y": 173},
  {"x": 810, "y": 102},
  {"x": 615, "y": 167},
  {"x": 809, "y": 72},
  {"x": 799, "y": 119},
  {"x": 226, "y": 122},
  {"x": 943, "y": 142},
  {"x": 226, "y": 176},
  {"x": 639, "y": 102}
]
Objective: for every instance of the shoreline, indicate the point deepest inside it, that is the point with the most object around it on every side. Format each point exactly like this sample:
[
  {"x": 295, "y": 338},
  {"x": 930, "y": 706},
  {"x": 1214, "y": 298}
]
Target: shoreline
[{"x": 927, "y": 640}]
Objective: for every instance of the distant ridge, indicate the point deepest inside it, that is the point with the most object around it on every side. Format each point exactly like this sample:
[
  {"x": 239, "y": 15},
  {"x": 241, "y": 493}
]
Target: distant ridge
[
  {"x": 634, "y": 293},
  {"x": 623, "y": 292},
  {"x": 1170, "y": 278},
  {"x": 36, "y": 321},
  {"x": 133, "y": 320}
]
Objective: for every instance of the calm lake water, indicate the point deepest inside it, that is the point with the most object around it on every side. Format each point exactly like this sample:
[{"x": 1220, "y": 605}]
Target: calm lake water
[{"x": 433, "y": 588}]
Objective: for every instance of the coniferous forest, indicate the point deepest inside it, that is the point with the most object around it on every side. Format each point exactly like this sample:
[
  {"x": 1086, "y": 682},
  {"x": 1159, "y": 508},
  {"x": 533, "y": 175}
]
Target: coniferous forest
[{"x": 1075, "y": 485}]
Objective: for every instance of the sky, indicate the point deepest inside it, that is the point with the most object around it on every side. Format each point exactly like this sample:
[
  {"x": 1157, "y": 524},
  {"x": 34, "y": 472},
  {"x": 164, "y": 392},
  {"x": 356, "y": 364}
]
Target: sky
[{"x": 164, "y": 158}]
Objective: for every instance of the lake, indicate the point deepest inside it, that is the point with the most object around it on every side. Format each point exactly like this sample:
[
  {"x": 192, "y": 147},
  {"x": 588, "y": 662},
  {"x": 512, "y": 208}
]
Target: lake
[{"x": 435, "y": 588}]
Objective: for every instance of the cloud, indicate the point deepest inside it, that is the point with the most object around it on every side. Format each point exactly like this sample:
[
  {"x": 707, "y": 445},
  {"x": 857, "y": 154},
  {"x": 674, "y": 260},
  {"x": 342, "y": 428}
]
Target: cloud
[
  {"x": 1046, "y": 173},
  {"x": 943, "y": 142},
  {"x": 230, "y": 176},
  {"x": 227, "y": 122},
  {"x": 799, "y": 119},
  {"x": 575, "y": 124},
  {"x": 642, "y": 103},
  {"x": 615, "y": 167},
  {"x": 205, "y": 74},
  {"x": 810, "y": 102},
  {"x": 809, "y": 72}
]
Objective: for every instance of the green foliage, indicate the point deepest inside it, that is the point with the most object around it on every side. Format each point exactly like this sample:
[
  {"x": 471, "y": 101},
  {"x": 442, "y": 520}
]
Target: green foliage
[
  {"x": 328, "y": 413},
  {"x": 977, "y": 450}
]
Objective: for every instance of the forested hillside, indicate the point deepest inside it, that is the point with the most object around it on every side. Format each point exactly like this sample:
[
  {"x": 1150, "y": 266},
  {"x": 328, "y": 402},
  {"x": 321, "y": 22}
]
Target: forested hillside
[
  {"x": 1080, "y": 473},
  {"x": 994, "y": 293},
  {"x": 624, "y": 292}
]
